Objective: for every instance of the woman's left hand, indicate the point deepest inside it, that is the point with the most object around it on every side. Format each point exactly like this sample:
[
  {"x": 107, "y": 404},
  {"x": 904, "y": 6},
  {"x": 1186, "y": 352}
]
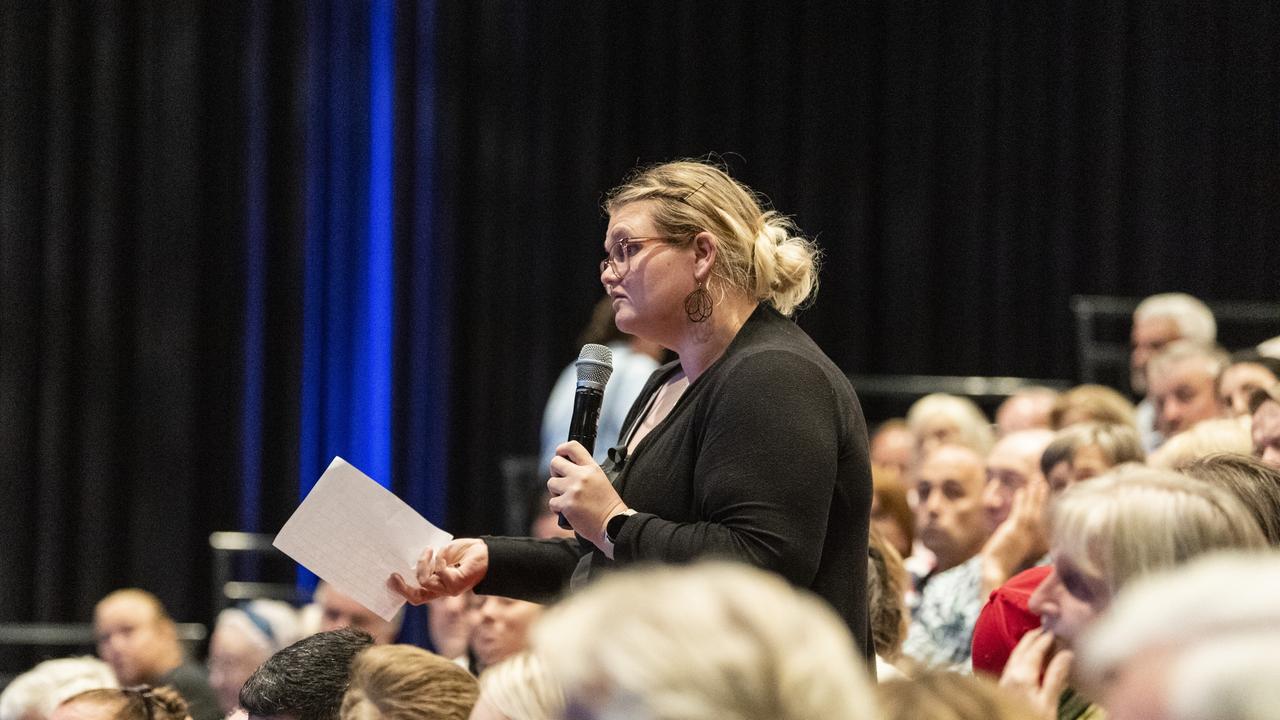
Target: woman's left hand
[{"x": 581, "y": 492}]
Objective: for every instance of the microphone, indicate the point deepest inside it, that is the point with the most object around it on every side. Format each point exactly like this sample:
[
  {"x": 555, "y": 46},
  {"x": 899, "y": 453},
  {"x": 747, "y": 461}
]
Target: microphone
[{"x": 595, "y": 365}]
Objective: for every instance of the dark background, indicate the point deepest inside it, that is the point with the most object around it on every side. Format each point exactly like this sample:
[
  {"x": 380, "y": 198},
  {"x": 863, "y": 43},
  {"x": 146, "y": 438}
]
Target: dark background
[{"x": 967, "y": 168}]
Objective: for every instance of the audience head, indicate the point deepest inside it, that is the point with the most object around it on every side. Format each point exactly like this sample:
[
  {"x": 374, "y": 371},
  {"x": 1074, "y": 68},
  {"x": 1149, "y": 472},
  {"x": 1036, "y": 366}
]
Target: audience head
[
  {"x": 1083, "y": 451},
  {"x": 891, "y": 513},
  {"x": 403, "y": 682},
  {"x": 450, "y": 622},
  {"x": 1026, "y": 409},
  {"x": 941, "y": 419},
  {"x": 1092, "y": 403},
  {"x": 1254, "y": 482},
  {"x": 1162, "y": 319},
  {"x": 1207, "y": 437},
  {"x": 502, "y": 629},
  {"x": 1202, "y": 641},
  {"x": 1109, "y": 530},
  {"x": 887, "y": 583},
  {"x": 759, "y": 252},
  {"x": 893, "y": 448},
  {"x": 519, "y": 688},
  {"x": 136, "y": 636},
  {"x": 305, "y": 681},
  {"x": 243, "y": 638},
  {"x": 1246, "y": 374},
  {"x": 1181, "y": 383},
  {"x": 141, "y": 702},
  {"x": 35, "y": 693},
  {"x": 1012, "y": 464},
  {"x": 939, "y": 695},
  {"x": 950, "y": 518},
  {"x": 338, "y": 610},
  {"x": 709, "y": 640},
  {"x": 1264, "y": 408}
]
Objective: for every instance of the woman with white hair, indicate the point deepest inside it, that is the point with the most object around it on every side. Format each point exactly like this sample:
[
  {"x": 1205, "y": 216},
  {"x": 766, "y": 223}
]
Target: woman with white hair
[
  {"x": 34, "y": 694},
  {"x": 709, "y": 641},
  {"x": 243, "y": 638}
]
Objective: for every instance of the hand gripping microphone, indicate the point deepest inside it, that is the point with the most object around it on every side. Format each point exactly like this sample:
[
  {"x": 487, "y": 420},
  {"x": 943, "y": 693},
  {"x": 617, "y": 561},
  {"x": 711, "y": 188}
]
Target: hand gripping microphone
[{"x": 595, "y": 365}]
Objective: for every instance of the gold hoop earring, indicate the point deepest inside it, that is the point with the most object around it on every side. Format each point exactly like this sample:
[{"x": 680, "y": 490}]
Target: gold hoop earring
[{"x": 697, "y": 304}]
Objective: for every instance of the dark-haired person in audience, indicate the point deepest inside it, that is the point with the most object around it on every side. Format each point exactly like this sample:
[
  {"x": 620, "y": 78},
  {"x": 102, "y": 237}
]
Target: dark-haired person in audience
[
  {"x": 1158, "y": 321},
  {"x": 1247, "y": 373},
  {"x": 887, "y": 583},
  {"x": 138, "y": 639},
  {"x": 1264, "y": 408},
  {"x": 1182, "y": 381},
  {"x": 305, "y": 681}
]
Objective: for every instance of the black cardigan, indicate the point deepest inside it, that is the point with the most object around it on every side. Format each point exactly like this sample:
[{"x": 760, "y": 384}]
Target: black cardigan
[{"x": 763, "y": 460}]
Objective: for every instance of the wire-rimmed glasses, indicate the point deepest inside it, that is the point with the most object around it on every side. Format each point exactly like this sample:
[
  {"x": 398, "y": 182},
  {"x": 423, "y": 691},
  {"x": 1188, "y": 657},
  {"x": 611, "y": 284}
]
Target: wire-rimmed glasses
[{"x": 622, "y": 250}]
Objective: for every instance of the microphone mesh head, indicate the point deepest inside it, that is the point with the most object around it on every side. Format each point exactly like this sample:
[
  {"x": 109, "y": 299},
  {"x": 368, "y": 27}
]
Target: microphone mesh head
[{"x": 595, "y": 365}]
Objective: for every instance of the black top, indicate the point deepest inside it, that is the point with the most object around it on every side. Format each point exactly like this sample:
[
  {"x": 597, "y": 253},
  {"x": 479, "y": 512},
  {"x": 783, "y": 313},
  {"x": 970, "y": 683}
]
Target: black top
[
  {"x": 192, "y": 683},
  {"x": 763, "y": 459}
]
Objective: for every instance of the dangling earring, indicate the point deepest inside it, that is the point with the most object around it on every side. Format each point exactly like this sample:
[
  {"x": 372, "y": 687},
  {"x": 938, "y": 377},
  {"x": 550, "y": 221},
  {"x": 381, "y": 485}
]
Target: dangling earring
[{"x": 697, "y": 304}]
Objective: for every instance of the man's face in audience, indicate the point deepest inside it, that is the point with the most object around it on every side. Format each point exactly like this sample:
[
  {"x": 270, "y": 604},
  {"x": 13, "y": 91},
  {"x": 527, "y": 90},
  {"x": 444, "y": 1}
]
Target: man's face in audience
[
  {"x": 1067, "y": 601},
  {"x": 1148, "y": 337},
  {"x": 1183, "y": 395},
  {"x": 338, "y": 611},
  {"x": 1266, "y": 433},
  {"x": 133, "y": 639},
  {"x": 949, "y": 513},
  {"x": 1238, "y": 383},
  {"x": 232, "y": 659},
  {"x": 504, "y": 628},
  {"x": 1088, "y": 462},
  {"x": 894, "y": 448},
  {"x": 1012, "y": 464}
]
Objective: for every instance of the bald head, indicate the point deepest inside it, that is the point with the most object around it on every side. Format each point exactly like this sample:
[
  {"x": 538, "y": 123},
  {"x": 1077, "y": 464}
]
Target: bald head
[
  {"x": 1012, "y": 464},
  {"x": 136, "y": 636},
  {"x": 949, "y": 517}
]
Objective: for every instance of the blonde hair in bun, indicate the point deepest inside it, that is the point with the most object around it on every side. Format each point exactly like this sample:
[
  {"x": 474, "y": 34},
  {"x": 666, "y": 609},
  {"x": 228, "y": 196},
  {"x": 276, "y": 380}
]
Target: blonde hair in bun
[{"x": 759, "y": 252}]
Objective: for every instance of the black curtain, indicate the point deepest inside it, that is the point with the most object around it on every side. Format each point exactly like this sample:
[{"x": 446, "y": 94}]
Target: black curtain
[{"x": 967, "y": 167}]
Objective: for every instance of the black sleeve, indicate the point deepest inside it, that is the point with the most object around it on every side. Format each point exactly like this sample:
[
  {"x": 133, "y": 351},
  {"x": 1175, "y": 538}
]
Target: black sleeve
[
  {"x": 528, "y": 568},
  {"x": 764, "y": 475}
]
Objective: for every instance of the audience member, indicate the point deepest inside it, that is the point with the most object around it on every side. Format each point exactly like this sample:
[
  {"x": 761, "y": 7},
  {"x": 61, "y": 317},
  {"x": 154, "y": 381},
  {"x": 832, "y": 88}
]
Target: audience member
[
  {"x": 1004, "y": 620},
  {"x": 893, "y": 449},
  {"x": 1255, "y": 483},
  {"x": 950, "y": 522},
  {"x": 703, "y": 641},
  {"x": 938, "y": 695},
  {"x": 1181, "y": 381},
  {"x": 243, "y": 638},
  {"x": 519, "y": 688},
  {"x": 450, "y": 622},
  {"x": 941, "y": 419},
  {"x": 1083, "y": 451},
  {"x": 1103, "y": 533},
  {"x": 35, "y": 693},
  {"x": 1200, "y": 642},
  {"x": 138, "y": 639},
  {"x": 1028, "y": 408},
  {"x": 502, "y": 628},
  {"x": 1157, "y": 321},
  {"x": 891, "y": 513},
  {"x": 1091, "y": 403},
  {"x": 141, "y": 702},
  {"x": 886, "y": 603},
  {"x": 338, "y": 610},
  {"x": 403, "y": 682},
  {"x": 1264, "y": 409},
  {"x": 307, "y": 680},
  {"x": 1207, "y": 437},
  {"x": 1270, "y": 348},
  {"x": 1013, "y": 500},
  {"x": 1247, "y": 373}
]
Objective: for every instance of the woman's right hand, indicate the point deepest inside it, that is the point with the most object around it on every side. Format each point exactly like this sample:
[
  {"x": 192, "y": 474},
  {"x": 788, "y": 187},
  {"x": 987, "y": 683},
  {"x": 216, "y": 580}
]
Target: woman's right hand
[{"x": 454, "y": 569}]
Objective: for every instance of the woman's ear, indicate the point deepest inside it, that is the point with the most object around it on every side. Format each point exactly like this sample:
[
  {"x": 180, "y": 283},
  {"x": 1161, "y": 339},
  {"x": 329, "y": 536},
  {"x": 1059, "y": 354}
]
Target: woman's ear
[{"x": 704, "y": 255}]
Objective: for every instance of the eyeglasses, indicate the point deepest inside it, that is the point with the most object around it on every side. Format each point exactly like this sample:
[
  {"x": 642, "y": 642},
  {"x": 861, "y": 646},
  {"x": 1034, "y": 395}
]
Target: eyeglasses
[{"x": 619, "y": 258}]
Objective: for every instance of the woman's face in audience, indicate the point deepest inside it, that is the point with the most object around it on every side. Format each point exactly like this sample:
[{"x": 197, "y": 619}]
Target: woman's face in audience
[
  {"x": 1239, "y": 382},
  {"x": 1068, "y": 600},
  {"x": 1088, "y": 462},
  {"x": 504, "y": 628}
]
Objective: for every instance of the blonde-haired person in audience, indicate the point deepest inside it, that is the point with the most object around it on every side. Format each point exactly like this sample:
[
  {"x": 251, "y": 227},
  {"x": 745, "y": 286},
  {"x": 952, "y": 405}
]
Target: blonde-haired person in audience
[
  {"x": 1208, "y": 437},
  {"x": 1202, "y": 641},
  {"x": 518, "y": 688},
  {"x": 403, "y": 682},
  {"x": 1254, "y": 482},
  {"x": 1091, "y": 403},
  {"x": 887, "y": 583},
  {"x": 700, "y": 642},
  {"x": 243, "y": 638},
  {"x": 941, "y": 419},
  {"x": 1104, "y": 533},
  {"x": 941, "y": 695},
  {"x": 141, "y": 702},
  {"x": 35, "y": 693}
]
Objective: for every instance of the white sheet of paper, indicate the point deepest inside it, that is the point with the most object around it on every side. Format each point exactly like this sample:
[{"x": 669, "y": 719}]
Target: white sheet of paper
[{"x": 353, "y": 533}]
